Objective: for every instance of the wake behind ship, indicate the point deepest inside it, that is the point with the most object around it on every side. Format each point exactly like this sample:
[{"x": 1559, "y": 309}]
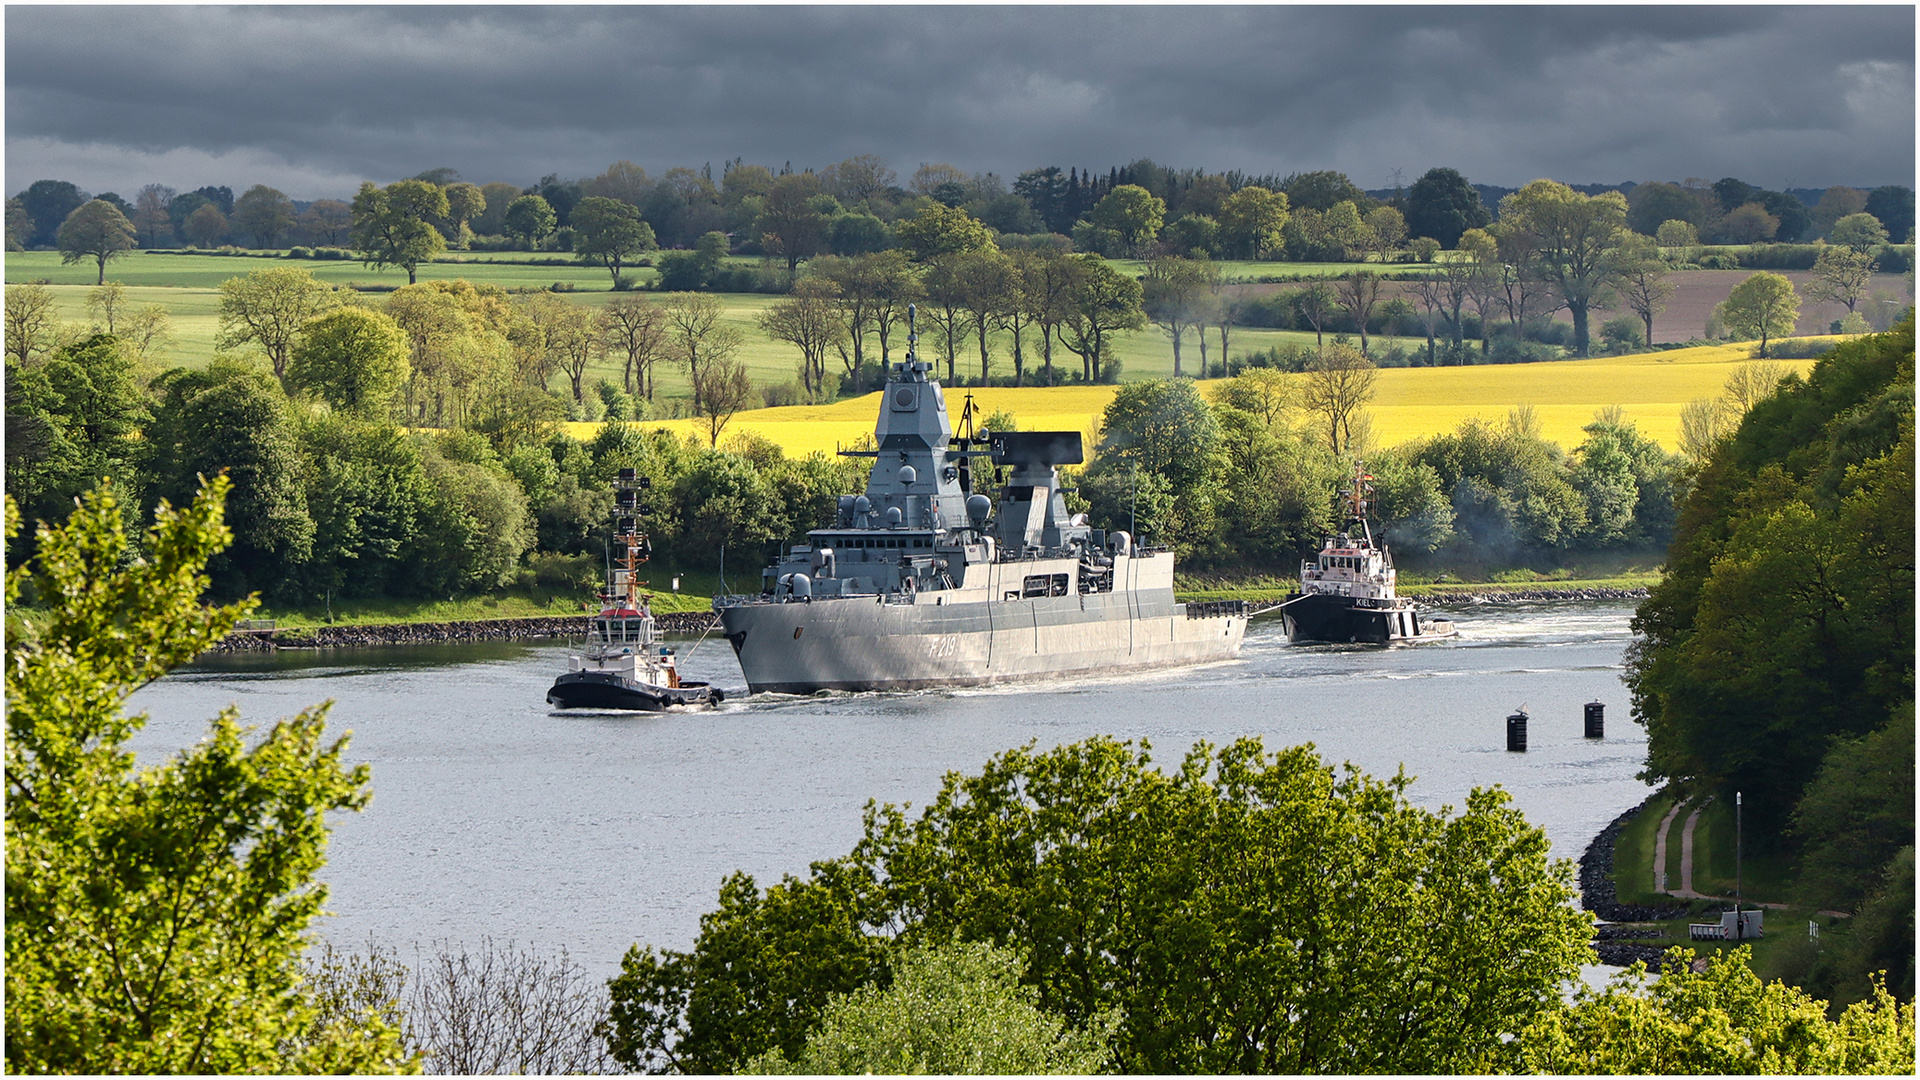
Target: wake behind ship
[{"x": 920, "y": 584}]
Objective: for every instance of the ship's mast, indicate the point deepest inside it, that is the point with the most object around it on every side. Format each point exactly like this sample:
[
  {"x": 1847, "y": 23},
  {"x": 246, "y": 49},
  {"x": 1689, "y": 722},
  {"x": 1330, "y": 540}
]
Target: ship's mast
[
  {"x": 1357, "y": 500},
  {"x": 630, "y": 543}
]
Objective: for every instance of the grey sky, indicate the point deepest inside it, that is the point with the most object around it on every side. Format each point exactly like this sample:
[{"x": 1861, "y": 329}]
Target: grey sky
[{"x": 315, "y": 100}]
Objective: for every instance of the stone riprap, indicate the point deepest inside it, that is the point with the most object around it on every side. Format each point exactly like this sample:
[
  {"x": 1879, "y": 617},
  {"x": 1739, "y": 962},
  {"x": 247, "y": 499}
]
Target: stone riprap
[{"x": 335, "y": 637}]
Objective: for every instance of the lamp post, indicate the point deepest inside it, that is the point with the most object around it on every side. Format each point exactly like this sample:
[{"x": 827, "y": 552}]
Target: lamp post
[{"x": 1739, "y": 929}]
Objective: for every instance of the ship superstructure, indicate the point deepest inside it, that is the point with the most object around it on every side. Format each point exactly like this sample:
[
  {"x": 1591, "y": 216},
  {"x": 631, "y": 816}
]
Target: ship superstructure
[{"x": 922, "y": 582}]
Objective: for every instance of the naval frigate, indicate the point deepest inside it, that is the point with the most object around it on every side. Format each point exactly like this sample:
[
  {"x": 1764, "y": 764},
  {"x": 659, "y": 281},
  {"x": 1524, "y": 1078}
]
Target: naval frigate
[{"x": 919, "y": 583}]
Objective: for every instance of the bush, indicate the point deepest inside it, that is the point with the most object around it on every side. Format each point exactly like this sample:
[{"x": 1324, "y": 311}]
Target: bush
[
  {"x": 787, "y": 393},
  {"x": 1895, "y": 259},
  {"x": 1719, "y": 262},
  {"x": 1780, "y": 256},
  {"x": 1506, "y": 350},
  {"x": 1623, "y": 334},
  {"x": 299, "y": 253},
  {"x": 623, "y": 283},
  {"x": 1798, "y": 348}
]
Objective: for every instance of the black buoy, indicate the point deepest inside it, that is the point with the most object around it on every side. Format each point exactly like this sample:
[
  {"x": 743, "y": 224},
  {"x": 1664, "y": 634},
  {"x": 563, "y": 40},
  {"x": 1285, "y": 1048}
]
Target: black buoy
[
  {"x": 1596, "y": 720},
  {"x": 1517, "y": 731}
]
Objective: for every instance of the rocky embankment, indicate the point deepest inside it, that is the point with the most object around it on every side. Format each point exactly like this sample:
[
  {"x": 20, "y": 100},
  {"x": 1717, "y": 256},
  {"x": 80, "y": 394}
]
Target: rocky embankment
[
  {"x": 336, "y": 637},
  {"x": 1514, "y": 596},
  {"x": 1598, "y": 896}
]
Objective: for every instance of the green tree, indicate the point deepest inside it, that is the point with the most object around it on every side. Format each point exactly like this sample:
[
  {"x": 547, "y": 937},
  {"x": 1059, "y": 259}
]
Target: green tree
[
  {"x": 720, "y": 389},
  {"x": 1133, "y": 212},
  {"x": 1841, "y": 275},
  {"x": 793, "y": 226},
  {"x": 1172, "y": 296},
  {"x": 264, "y": 212},
  {"x": 354, "y": 359},
  {"x": 1442, "y": 205},
  {"x": 155, "y": 917},
  {"x": 1724, "y": 1020},
  {"x": 610, "y": 233},
  {"x": 1675, "y": 234},
  {"x": 810, "y": 321},
  {"x": 1359, "y": 292},
  {"x": 235, "y": 417},
  {"x": 1253, "y": 220},
  {"x": 1339, "y": 383},
  {"x": 96, "y": 230},
  {"x": 32, "y": 321},
  {"x": 1099, "y": 302},
  {"x": 475, "y": 525},
  {"x": 71, "y": 421},
  {"x": 989, "y": 289},
  {"x": 465, "y": 202},
  {"x": 19, "y": 225},
  {"x": 1860, "y": 233},
  {"x": 1763, "y": 306},
  {"x": 393, "y": 226},
  {"x": 953, "y": 1009},
  {"x": 698, "y": 335},
  {"x": 204, "y": 225},
  {"x": 1573, "y": 241},
  {"x": 941, "y": 230},
  {"x": 1245, "y": 911},
  {"x": 1641, "y": 279},
  {"x": 269, "y": 308},
  {"x": 634, "y": 329},
  {"x": 46, "y": 204}
]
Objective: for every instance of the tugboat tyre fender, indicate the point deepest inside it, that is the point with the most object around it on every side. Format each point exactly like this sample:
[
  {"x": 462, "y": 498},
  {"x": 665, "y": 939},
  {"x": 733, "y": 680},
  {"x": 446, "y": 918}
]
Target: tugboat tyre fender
[{"x": 719, "y": 695}]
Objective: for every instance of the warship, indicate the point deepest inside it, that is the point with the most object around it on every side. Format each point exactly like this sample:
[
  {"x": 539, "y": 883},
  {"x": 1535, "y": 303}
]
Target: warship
[
  {"x": 1347, "y": 590},
  {"x": 623, "y": 664},
  {"x": 921, "y": 583}
]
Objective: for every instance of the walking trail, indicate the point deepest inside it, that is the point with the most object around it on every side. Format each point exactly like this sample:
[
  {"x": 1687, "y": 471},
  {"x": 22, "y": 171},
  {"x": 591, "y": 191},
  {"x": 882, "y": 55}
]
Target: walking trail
[{"x": 1686, "y": 890}]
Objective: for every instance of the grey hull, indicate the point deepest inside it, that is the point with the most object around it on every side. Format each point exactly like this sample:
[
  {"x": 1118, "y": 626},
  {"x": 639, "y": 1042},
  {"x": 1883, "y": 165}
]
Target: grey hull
[{"x": 856, "y": 643}]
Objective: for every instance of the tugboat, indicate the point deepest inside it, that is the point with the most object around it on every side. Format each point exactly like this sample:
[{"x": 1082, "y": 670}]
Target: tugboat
[
  {"x": 919, "y": 582},
  {"x": 624, "y": 665},
  {"x": 1347, "y": 590}
]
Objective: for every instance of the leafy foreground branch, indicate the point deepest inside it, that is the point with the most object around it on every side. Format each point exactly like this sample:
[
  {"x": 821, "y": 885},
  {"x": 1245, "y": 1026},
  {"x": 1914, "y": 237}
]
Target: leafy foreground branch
[{"x": 155, "y": 916}]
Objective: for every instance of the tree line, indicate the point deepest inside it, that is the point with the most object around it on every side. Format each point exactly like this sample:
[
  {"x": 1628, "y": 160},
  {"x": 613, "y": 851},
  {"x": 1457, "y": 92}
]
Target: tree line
[
  {"x": 854, "y": 206},
  {"x": 1775, "y": 656}
]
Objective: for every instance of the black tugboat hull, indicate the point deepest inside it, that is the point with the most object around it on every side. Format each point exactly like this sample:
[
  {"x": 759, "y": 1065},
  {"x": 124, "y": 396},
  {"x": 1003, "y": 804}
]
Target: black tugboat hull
[
  {"x": 604, "y": 690},
  {"x": 1337, "y": 619}
]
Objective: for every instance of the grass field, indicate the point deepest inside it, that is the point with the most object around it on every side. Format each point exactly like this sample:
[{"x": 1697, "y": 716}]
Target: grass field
[{"x": 1409, "y": 403}]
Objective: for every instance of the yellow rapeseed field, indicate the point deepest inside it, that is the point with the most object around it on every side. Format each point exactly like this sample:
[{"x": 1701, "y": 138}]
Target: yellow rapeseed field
[{"x": 1408, "y": 403}]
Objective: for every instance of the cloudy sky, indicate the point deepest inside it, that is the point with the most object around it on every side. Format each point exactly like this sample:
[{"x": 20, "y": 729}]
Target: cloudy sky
[{"x": 315, "y": 100}]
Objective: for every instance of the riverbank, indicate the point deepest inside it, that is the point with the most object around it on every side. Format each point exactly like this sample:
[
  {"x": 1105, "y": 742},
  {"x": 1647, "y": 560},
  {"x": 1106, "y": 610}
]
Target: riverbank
[
  {"x": 535, "y": 628},
  {"x": 1598, "y": 894},
  {"x": 427, "y": 633}
]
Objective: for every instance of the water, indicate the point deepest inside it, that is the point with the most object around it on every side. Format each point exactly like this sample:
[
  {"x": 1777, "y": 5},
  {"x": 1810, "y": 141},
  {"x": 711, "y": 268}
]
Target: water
[{"x": 494, "y": 815}]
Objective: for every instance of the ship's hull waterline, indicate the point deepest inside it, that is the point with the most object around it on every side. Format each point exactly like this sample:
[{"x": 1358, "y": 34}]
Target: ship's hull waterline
[
  {"x": 1315, "y": 617},
  {"x": 854, "y": 643}
]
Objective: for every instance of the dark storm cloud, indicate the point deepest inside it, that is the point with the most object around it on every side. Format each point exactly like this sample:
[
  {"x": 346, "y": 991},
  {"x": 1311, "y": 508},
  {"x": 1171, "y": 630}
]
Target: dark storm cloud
[{"x": 314, "y": 99}]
